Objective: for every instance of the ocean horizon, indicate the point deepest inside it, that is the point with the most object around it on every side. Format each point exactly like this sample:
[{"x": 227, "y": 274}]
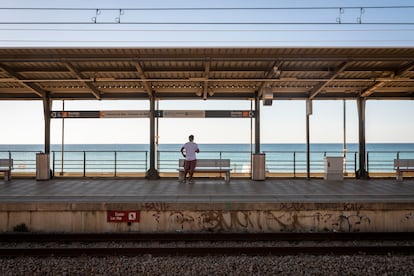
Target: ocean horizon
[{"x": 299, "y": 146}]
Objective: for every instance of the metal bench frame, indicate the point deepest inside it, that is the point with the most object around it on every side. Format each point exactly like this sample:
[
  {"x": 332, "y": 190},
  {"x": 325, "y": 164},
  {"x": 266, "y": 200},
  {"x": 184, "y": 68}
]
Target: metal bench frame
[
  {"x": 6, "y": 165},
  {"x": 403, "y": 165},
  {"x": 208, "y": 166}
]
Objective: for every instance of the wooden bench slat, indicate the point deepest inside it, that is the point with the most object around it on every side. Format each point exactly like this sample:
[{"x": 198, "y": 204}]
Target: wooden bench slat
[
  {"x": 208, "y": 170},
  {"x": 209, "y": 162},
  {"x": 6, "y": 165},
  {"x": 208, "y": 166},
  {"x": 6, "y": 162},
  {"x": 403, "y": 165},
  {"x": 404, "y": 162}
]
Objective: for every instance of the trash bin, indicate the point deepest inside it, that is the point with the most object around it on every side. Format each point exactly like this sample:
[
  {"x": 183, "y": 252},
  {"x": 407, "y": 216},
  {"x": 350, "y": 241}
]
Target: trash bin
[
  {"x": 259, "y": 166},
  {"x": 334, "y": 168},
  {"x": 42, "y": 166}
]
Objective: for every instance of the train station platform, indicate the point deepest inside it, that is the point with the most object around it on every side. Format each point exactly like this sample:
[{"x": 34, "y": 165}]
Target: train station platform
[{"x": 207, "y": 205}]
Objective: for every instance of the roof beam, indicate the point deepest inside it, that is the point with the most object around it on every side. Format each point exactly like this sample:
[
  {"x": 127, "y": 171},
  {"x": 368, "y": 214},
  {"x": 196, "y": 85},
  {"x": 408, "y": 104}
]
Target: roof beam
[
  {"x": 404, "y": 69},
  {"x": 315, "y": 91},
  {"x": 20, "y": 79},
  {"x": 79, "y": 76},
  {"x": 206, "y": 76},
  {"x": 273, "y": 73},
  {"x": 370, "y": 90},
  {"x": 219, "y": 54},
  {"x": 144, "y": 79}
]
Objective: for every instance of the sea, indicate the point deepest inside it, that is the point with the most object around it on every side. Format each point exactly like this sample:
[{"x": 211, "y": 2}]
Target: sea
[{"x": 134, "y": 158}]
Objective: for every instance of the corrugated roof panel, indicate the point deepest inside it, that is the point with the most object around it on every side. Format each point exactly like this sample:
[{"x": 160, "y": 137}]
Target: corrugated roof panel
[{"x": 232, "y": 70}]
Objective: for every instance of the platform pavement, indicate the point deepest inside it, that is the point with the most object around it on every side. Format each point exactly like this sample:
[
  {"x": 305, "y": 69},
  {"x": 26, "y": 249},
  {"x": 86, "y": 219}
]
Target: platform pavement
[
  {"x": 207, "y": 205},
  {"x": 206, "y": 190}
]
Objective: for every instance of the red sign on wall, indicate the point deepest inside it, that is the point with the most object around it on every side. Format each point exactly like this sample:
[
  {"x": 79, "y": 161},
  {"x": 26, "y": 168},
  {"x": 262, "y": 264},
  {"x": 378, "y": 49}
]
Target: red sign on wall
[{"x": 123, "y": 216}]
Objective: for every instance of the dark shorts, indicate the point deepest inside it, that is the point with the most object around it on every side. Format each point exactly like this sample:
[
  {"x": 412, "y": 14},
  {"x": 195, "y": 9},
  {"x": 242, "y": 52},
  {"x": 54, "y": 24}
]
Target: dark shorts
[{"x": 190, "y": 165}]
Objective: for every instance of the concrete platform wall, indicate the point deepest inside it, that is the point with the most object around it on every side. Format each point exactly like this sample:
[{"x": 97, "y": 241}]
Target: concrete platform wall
[{"x": 204, "y": 217}]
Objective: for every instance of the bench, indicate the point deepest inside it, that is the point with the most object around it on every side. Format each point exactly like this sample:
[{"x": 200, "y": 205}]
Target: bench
[
  {"x": 6, "y": 165},
  {"x": 403, "y": 165},
  {"x": 208, "y": 166}
]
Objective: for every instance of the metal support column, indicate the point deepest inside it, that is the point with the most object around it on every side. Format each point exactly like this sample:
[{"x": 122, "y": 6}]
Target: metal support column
[
  {"x": 361, "y": 172},
  {"x": 63, "y": 141},
  {"x": 47, "y": 107},
  {"x": 43, "y": 159},
  {"x": 258, "y": 159},
  {"x": 344, "y": 133},
  {"x": 152, "y": 173},
  {"x": 257, "y": 126},
  {"x": 309, "y": 110},
  {"x": 307, "y": 148}
]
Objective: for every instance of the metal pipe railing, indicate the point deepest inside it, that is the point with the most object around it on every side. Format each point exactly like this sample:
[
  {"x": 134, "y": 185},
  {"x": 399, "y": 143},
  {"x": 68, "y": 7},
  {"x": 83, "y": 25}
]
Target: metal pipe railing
[{"x": 118, "y": 162}]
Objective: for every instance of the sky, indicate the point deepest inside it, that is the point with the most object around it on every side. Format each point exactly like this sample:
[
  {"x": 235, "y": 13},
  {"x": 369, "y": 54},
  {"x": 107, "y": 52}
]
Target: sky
[{"x": 283, "y": 122}]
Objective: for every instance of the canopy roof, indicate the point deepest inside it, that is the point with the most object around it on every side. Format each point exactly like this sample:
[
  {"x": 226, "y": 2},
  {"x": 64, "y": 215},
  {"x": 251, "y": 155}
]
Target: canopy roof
[{"x": 206, "y": 73}]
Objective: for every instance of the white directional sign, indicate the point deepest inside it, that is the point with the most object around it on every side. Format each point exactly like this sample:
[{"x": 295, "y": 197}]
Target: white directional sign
[
  {"x": 184, "y": 113},
  {"x": 124, "y": 114}
]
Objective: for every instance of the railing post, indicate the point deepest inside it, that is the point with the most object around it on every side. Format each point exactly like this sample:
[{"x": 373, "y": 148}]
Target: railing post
[
  {"x": 84, "y": 163},
  {"x": 115, "y": 163},
  {"x": 146, "y": 160},
  {"x": 158, "y": 160},
  {"x": 367, "y": 172},
  {"x": 355, "y": 163},
  {"x": 294, "y": 164},
  {"x": 53, "y": 163}
]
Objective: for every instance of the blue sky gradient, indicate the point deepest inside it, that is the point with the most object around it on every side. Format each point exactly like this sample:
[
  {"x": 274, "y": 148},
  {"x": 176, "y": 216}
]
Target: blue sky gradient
[{"x": 284, "y": 122}]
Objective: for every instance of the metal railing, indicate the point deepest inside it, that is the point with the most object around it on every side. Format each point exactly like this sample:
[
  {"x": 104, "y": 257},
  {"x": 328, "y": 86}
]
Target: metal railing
[
  {"x": 294, "y": 163},
  {"x": 383, "y": 161},
  {"x": 23, "y": 161},
  {"x": 99, "y": 162},
  {"x": 118, "y": 162},
  {"x": 276, "y": 161}
]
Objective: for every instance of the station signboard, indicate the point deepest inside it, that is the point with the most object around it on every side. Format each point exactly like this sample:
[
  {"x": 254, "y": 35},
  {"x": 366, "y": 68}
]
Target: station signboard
[
  {"x": 183, "y": 114},
  {"x": 124, "y": 114},
  {"x": 230, "y": 114},
  {"x": 101, "y": 114},
  {"x": 123, "y": 216},
  {"x": 157, "y": 113},
  {"x": 74, "y": 114},
  {"x": 205, "y": 113}
]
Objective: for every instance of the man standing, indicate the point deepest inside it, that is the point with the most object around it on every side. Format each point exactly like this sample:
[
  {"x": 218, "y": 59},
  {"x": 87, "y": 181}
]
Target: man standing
[{"x": 190, "y": 148}]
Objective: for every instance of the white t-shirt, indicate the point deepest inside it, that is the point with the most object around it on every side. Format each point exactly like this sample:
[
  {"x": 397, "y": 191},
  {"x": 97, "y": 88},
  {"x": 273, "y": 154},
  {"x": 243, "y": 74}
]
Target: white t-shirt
[{"x": 190, "y": 150}]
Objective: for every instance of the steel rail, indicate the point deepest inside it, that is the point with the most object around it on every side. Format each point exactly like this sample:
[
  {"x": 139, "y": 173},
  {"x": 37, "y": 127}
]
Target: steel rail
[
  {"x": 207, "y": 251},
  {"x": 163, "y": 249},
  {"x": 191, "y": 237}
]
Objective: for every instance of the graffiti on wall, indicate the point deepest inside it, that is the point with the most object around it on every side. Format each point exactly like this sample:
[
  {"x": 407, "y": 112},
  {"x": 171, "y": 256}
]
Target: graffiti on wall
[
  {"x": 285, "y": 217},
  {"x": 262, "y": 221},
  {"x": 157, "y": 208},
  {"x": 408, "y": 217}
]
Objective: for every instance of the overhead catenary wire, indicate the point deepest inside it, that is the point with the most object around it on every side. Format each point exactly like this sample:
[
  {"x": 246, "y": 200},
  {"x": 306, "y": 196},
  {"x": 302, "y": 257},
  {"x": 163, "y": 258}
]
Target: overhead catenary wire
[
  {"x": 266, "y": 30},
  {"x": 215, "y": 8},
  {"x": 207, "y": 30},
  {"x": 209, "y": 41},
  {"x": 93, "y": 16}
]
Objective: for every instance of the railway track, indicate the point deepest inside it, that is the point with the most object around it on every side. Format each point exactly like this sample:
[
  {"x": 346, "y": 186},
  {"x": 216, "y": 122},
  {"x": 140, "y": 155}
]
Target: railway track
[
  {"x": 217, "y": 244},
  {"x": 211, "y": 251},
  {"x": 189, "y": 237}
]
